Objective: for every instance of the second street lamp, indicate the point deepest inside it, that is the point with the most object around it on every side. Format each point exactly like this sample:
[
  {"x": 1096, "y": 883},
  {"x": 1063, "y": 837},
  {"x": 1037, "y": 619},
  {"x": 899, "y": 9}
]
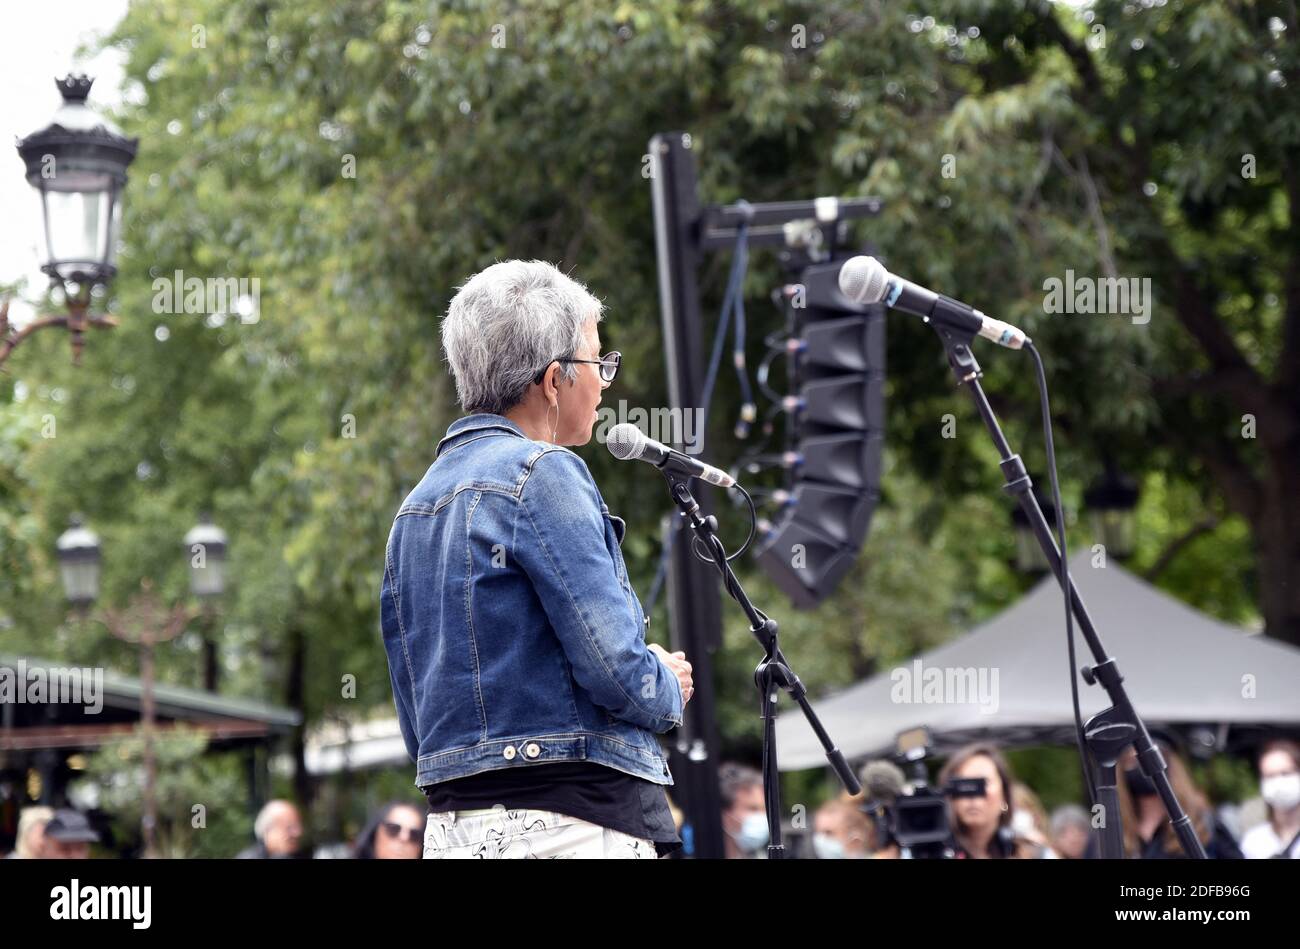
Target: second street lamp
[
  {"x": 1112, "y": 503},
  {"x": 1029, "y": 555},
  {"x": 145, "y": 622},
  {"x": 78, "y": 549},
  {"x": 205, "y": 545}
]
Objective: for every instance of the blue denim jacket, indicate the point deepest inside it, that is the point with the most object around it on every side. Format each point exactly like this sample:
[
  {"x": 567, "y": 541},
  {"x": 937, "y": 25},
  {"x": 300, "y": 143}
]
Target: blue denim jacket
[{"x": 513, "y": 635}]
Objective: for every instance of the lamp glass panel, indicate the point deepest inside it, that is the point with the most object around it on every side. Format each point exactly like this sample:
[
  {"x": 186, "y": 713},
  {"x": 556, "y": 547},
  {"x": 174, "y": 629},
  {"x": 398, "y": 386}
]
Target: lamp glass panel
[
  {"x": 78, "y": 225},
  {"x": 80, "y": 580},
  {"x": 209, "y": 579}
]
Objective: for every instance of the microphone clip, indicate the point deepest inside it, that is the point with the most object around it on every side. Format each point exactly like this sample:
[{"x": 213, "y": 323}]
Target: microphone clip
[{"x": 961, "y": 358}]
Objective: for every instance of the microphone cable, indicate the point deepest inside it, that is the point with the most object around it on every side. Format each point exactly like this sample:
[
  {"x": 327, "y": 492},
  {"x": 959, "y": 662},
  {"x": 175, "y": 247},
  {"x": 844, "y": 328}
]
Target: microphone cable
[
  {"x": 1040, "y": 377},
  {"x": 733, "y": 298}
]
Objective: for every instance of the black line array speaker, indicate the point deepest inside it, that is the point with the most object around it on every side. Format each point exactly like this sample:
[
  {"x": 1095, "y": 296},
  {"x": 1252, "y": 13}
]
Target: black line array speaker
[{"x": 837, "y": 428}]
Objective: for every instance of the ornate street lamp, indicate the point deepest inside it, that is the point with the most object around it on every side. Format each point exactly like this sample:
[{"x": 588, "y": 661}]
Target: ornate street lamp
[
  {"x": 78, "y": 549},
  {"x": 1112, "y": 503},
  {"x": 206, "y": 544},
  {"x": 145, "y": 622},
  {"x": 1029, "y": 555},
  {"x": 78, "y": 166}
]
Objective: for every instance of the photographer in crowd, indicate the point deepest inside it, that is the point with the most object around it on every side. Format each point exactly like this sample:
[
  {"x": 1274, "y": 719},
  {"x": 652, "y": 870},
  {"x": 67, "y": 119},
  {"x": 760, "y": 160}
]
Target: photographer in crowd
[{"x": 982, "y": 823}]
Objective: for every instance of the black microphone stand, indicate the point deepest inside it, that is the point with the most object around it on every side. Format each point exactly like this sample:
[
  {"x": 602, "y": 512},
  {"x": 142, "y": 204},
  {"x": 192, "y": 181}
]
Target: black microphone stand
[
  {"x": 771, "y": 673},
  {"x": 1111, "y": 730}
]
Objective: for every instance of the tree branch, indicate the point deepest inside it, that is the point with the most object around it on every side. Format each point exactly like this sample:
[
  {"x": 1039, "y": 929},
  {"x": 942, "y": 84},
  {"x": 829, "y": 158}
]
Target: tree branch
[
  {"x": 1082, "y": 60},
  {"x": 1093, "y": 197},
  {"x": 1178, "y": 544}
]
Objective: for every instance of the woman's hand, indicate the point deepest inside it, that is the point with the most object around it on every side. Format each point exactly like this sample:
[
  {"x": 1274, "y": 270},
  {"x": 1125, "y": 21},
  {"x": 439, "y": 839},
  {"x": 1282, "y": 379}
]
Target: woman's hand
[{"x": 677, "y": 664}]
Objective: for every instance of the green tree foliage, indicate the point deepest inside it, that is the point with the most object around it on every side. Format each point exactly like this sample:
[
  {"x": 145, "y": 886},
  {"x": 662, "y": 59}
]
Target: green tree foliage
[
  {"x": 199, "y": 797},
  {"x": 360, "y": 159}
]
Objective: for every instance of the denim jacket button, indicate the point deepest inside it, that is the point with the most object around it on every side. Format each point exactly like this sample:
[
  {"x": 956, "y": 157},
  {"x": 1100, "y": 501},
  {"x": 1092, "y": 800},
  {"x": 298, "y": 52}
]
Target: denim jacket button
[
  {"x": 532, "y": 750},
  {"x": 509, "y": 753}
]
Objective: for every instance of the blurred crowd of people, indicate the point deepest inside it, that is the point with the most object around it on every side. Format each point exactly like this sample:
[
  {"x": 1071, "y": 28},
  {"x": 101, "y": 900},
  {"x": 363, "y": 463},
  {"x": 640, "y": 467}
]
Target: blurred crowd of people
[
  {"x": 990, "y": 815},
  {"x": 394, "y": 832},
  {"x": 1003, "y": 818},
  {"x": 47, "y": 833}
]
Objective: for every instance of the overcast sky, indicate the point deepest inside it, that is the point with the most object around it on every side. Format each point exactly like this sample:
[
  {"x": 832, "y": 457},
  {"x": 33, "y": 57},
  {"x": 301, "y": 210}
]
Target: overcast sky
[{"x": 39, "y": 41}]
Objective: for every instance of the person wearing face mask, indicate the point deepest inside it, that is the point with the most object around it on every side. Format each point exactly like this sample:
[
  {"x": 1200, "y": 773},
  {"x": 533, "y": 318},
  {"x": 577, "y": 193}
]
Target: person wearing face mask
[
  {"x": 1279, "y": 785},
  {"x": 1146, "y": 825},
  {"x": 841, "y": 831},
  {"x": 983, "y": 825},
  {"x": 744, "y": 814}
]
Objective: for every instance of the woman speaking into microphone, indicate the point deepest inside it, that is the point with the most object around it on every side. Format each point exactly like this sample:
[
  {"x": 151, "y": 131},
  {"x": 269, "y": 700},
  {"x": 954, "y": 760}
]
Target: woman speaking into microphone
[{"x": 525, "y": 691}]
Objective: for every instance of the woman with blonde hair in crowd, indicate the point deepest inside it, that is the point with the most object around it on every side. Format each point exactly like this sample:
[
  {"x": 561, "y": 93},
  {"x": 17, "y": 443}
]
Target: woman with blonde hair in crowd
[
  {"x": 1030, "y": 820},
  {"x": 30, "y": 842}
]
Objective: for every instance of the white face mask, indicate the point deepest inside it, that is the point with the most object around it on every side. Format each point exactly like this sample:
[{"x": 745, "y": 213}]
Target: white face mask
[
  {"x": 1023, "y": 823},
  {"x": 1281, "y": 791},
  {"x": 827, "y": 847},
  {"x": 753, "y": 834}
]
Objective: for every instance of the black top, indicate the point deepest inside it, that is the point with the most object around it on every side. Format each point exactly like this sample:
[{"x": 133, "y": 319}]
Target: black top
[
  {"x": 582, "y": 789},
  {"x": 1004, "y": 845}
]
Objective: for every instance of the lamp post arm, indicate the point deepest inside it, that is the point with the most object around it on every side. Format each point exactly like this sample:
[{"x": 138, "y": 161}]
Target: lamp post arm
[{"x": 77, "y": 320}]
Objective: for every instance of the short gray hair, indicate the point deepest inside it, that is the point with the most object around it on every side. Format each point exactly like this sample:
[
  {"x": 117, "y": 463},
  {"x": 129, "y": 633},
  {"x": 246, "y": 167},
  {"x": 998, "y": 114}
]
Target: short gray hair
[
  {"x": 734, "y": 778},
  {"x": 506, "y": 324},
  {"x": 1070, "y": 815},
  {"x": 266, "y": 816}
]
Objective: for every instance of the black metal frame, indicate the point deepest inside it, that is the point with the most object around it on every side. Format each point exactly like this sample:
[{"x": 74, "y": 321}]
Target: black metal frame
[{"x": 683, "y": 232}]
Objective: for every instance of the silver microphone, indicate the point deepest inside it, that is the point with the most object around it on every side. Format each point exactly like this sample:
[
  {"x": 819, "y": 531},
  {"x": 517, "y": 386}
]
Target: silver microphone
[
  {"x": 865, "y": 280},
  {"x": 626, "y": 442}
]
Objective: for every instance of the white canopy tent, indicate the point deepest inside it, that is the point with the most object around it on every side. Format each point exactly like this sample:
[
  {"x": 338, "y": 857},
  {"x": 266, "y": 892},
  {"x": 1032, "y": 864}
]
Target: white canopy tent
[{"x": 1007, "y": 680}]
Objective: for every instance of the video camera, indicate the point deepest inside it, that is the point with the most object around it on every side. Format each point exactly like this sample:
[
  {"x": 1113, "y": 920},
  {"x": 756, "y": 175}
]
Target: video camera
[{"x": 916, "y": 819}]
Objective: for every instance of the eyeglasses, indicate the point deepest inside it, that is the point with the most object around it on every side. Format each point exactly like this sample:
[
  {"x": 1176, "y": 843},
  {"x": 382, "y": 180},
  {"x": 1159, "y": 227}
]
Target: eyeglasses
[
  {"x": 412, "y": 835},
  {"x": 608, "y": 364}
]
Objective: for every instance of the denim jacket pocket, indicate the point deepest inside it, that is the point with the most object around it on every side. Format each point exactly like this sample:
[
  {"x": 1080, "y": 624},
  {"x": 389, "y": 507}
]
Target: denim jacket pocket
[
  {"x": 615, "y": 529},
  {"x": 619, "y": 525}
]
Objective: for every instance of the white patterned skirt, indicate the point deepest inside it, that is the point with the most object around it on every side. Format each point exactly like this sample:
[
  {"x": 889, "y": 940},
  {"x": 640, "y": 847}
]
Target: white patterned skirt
[{"x": 501, "y": 833}]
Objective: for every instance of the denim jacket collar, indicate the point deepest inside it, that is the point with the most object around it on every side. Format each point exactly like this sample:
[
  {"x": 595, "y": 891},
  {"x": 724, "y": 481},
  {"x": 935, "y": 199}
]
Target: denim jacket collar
[
  {"x": 480, "y": 421},
  {"x": 477, "y": 422}
]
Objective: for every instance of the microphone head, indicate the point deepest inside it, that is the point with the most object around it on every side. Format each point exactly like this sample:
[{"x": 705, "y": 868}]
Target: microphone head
[
  {"x": 864, "y": 280},
  {"x": 625, "y": 441},
  {"x": 883, "y": 781}
]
